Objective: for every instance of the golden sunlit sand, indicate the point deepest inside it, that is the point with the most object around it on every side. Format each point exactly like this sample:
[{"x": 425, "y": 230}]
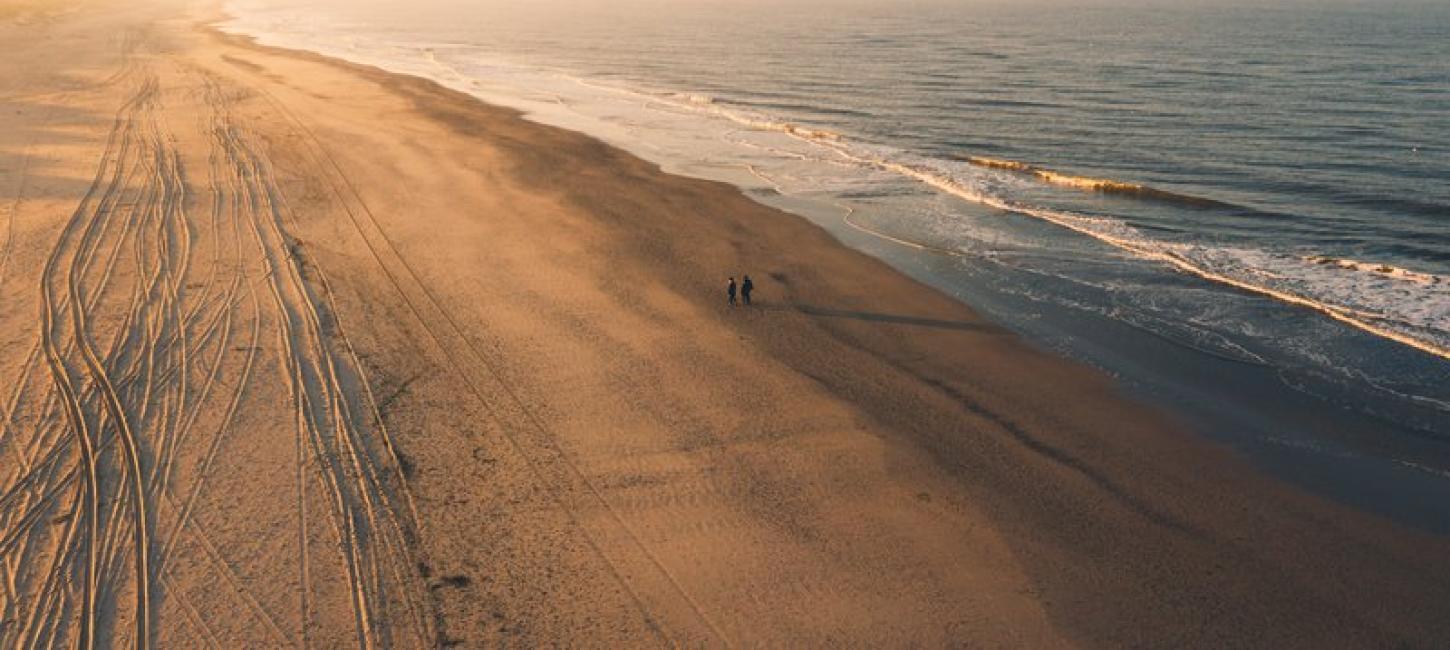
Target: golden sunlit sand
[{"x": 301, "y": 353}]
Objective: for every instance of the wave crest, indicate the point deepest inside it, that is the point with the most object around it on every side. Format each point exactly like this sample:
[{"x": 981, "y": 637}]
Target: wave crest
[
  {"x": 1386, "y": 270},
  {"x": 1419, "y": 333},
  {"x": 1090, "y": 184}
]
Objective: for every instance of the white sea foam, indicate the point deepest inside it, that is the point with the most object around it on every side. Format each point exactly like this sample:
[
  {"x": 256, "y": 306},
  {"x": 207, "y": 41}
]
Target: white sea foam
[
  {"x": 1402, "y": 305},
  {"x": 1418, "y": 316}
]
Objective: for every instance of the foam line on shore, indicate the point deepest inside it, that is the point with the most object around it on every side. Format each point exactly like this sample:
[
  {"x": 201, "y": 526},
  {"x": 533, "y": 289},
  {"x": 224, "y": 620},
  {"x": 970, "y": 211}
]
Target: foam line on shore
[
  {"x": 842, "y": 146},
  {"x": 1354, "y": 318},
  {"x": 1359, "y": 319}
]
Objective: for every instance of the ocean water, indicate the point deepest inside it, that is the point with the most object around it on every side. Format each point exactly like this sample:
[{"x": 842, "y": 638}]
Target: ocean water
[{"x": 1241, "y": 212}]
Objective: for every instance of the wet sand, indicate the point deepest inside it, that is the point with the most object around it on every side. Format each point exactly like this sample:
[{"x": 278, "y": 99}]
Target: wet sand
[{"x": 358, "y": 360}]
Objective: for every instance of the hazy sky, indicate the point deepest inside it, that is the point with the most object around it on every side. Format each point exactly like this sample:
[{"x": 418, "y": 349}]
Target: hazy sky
[{"x": 904, "y": 4}]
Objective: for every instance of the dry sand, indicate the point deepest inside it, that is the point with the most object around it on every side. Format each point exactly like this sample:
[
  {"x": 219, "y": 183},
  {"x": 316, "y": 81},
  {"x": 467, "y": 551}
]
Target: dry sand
[{"x": 356, "y": 360}]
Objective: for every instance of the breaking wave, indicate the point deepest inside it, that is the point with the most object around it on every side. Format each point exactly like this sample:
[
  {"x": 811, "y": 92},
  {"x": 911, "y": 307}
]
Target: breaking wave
[
  {"x": 1386, "y": 270},
  {"x": 1395, "y": 312},
  {"x": 1102, "y": 185},
  {"x": 1401, "y": 305}
]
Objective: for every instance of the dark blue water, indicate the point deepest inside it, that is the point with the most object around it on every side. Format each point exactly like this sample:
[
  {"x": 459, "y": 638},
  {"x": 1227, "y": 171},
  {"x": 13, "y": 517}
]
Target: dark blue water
[{"x": 1243, "y": 213}]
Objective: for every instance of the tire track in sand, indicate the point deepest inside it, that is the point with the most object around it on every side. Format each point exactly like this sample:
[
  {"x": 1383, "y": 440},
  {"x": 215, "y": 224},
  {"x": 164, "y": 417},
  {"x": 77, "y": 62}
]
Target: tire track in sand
[
  {"x": 101, "y": 513},
  {"x": 566, "y": 484}
]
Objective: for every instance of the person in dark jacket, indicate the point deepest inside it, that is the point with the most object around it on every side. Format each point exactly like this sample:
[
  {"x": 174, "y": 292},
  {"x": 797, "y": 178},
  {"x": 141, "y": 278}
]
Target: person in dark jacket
[
  {"x": 730, "y": 290},
  {"x": 746, "y": 286}
]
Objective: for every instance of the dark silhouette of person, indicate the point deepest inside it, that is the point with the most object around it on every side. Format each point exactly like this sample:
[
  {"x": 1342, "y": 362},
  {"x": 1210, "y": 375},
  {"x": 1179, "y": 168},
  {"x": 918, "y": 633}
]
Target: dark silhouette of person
[
  {"x": 746, "y": 286},
  {"x": 730, "y": 290}
]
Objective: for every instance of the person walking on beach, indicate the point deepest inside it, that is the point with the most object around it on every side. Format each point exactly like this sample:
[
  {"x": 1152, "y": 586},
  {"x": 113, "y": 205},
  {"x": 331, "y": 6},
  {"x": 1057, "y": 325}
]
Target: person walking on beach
[
  {"x": 730, "y": 290},
  {"x": 746, "y": 286}
]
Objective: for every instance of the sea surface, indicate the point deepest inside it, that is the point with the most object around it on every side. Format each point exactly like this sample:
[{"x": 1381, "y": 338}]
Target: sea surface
[{"x": 1242, "y": 213}]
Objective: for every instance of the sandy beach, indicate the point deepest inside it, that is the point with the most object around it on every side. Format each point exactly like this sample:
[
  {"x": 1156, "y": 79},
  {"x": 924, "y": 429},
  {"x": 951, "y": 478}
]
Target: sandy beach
[{"x": 295, "y": 352}]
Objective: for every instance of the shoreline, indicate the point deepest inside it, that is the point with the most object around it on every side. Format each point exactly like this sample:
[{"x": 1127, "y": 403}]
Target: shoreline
[
  {"x": 1191, "y": 438},
  {"x": 1293, "y": 442},
  {"x": 1420, "y": 338},
  {"x": 577, "y": 442}
]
